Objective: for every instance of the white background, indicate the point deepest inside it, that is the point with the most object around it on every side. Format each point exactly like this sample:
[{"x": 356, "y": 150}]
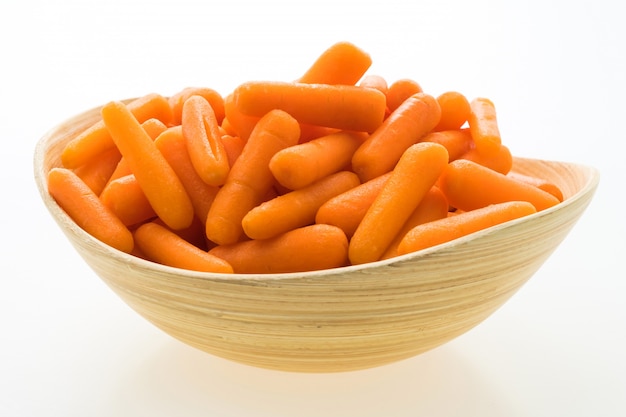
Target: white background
[{"x": 70, "y": 347}]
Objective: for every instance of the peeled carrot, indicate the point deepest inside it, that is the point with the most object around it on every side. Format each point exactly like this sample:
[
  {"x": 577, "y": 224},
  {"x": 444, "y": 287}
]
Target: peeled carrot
[
  {"x": 347, "y": 209},
  {"x": 214, "y": 98},
  {"x": 86, "y": 209},
  {"x": 250, "y": 179},
  {"x": 303, "y": 164},
  {"x": 240, "y": 124},
  {"x": 415, "y": 117},
  {"x": 173, "y": 147},
  {"x": 453, "y": 227},
  {"x": 96, "y": 139},
  {"x": 96, "y": 173},
  {"x": 500, "y": 161},
  {"x": 483, "y": 125},
  {"x": 374, "y": 81},
  {"x": 201, "y": 132},
  {"x": 309, "y": 248},
  {"x": 540, "y": 183},
  {"x": 233, "y": 145},
  {"x": 342, "y": 63},
  {"x": 416, "y": 172},
  {"x": 469, "y": 186},
  {"x": 161, "y": 245},
  {"x": 455, "y": 110},
  {"x": 457, "y": 141},
  {"x": 127, "y": 200},
  {"x": 400, "y": 90},
  {"x": 433, "y": 206},
  {"x": 157, "y": 178},
  {"x": 153, "y": 127},
  {"x": 345, "y": 107},
  {"x": 296, "y": 208}
]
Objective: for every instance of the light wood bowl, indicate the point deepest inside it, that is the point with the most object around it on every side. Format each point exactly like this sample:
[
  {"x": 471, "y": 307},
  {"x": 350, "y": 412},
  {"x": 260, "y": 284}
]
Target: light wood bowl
[{"x": 334, "y": 320}]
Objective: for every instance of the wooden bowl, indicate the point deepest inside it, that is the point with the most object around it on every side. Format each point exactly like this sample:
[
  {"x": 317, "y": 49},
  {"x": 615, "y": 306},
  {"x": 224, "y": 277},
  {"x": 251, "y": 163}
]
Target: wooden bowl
[{"x": 341, "y": 319}]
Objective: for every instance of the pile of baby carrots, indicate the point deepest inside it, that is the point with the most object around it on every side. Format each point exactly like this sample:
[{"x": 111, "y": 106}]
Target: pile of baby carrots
[{"x": 335, "y": 168}]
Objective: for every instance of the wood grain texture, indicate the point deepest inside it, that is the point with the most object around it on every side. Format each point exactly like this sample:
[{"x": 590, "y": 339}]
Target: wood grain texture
[{"x": 336, "y": 320}]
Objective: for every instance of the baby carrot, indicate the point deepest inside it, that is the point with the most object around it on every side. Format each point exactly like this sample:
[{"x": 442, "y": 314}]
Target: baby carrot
[
  {"x": 415, "y": 117},
  {"x": 296, "y": 208},
  {"x": 303, "y": 164},
  {"x": 96, "y": 139},
  {"x": 500, "y": 161},
  {"x": 202, "y": 134},
  {"x": 250, "y": 178},
  {"x": 453, "y": 227},
  {"x": 97, "y": 172},
  {"x": 233, "y": 145},
  {"x": 341, "y": 63},
  {"x": 345, "y": 107},
  {"x": 86, "y": 209},
  {"x": 157, "y": 178},
  {"x": 399, "y": 91},
  {"x": 433, "y": 206},
  {"x": 540, "y": 183},
  {"x": 374, "y": 81},
  {"x": 457, "y": 141},
  {"x": 416, "y": 172},
  {"x": 309, "y": 248},
  {"x": 127, "y": 200},
  {"x": 164, "y": 246},
  {"x": 240, "y": 124},
  {"x": 347, "y": 209},
  {"x": 153, "y": 127},
  {"x": 214, "y": 98},
  {"x": 483, "y": 125},
  {"x": 469, "y": 186},
  {"x": 173, "y": 147},
  {"x": 455, "y": 110}
]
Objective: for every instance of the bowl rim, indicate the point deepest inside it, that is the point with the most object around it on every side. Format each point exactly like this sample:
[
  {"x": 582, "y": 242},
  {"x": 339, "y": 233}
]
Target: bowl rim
[{"x": 61, "y": 217}]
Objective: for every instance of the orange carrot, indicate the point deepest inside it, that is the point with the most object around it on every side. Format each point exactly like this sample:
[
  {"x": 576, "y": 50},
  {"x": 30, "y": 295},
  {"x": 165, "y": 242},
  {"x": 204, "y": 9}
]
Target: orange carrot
[
  {"x": 233, "y": 145},
  {"x": 455, "y": 110},
  {"x": 309, "y": 132},
  {"x": 250, "y": 179},
  {"x": 194, "y": 234},
  {"x": 483, "y": 125},
  {"x": 347, "y": 209},
  {"x": 415, "y": 117},
  {"x": 342, "y": 63},
  {"x": 374, "y": 81},
  {"x": 469, "y": 186},
  {"x": 433, "y": 206},
  {"x": 214, "y": 98},
  {"x": 457, "y": 141},
  {"x": 296, "y": 208},
  {"x": 303, "y": 164},
  {"x": 127, "y": 200},
  {"x": 399, "y": 91},
  {"x": 153, "y": 127},
  {"x": 453, "y": 227},
  {"x": 173, "y": 147},
  {"x": 500, "y": 161},
  {"x": 86, "y": 209},
  {"x": 161, "y": 245},
  {"x": 97, "y": 172},
  {"x": 309, "y": 248},
  {"x": 202, "y": 134},
  {"x": 541, "y": 183},
  {"x": 345, "y": 107},
  {"x": 240, "y": 124},
  {"x": 416, "y": 172},
  {"x": 157, "y": 178},
  {"x": 96, "y": 139}
]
